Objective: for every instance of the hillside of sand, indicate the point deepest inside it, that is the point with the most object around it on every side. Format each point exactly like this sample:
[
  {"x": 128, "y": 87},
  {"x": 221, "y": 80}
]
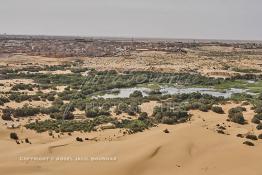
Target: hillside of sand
[{"x": 190, "y": 148}]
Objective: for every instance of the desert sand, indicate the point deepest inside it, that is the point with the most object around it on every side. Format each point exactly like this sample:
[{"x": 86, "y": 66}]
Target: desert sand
[
  {"x": 190, "y": 148},
  {"x": 205, "y": 61}
]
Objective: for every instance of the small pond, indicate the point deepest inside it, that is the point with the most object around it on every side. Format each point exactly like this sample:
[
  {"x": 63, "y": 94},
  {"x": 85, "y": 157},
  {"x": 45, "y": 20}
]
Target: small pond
[{"x": 125, "y": 92}]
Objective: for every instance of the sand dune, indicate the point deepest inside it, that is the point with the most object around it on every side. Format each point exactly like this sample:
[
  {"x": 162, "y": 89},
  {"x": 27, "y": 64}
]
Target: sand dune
[{"x": 190, "y": 148}]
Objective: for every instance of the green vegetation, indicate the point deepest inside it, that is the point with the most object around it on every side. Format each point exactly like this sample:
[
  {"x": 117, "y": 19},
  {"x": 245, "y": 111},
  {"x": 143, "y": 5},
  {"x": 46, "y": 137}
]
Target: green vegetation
[
  {"x": 170, "y": 115},
  {"x": 136, "y": 94},
  {"x": 236, "y": 115},
  {"x": 22, "y": 86},
  {"x": 68, "y": 125},
  {"x": 259, "y": 126},
  {"x": 255, "y": 120},
  {"x": 246, "y": 70},
  {"x": 3, "y": 100},
  {"x": 174, "y": 108},
  {"x": 7, "y": 113},
  {"x": 217, "y": 109},
  {"x": 25, "y": 111},
  {"x": 88, "y": 125}
]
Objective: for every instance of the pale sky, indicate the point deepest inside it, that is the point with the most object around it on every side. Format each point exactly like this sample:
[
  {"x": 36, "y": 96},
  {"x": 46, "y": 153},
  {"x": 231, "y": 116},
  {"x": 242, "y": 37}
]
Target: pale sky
[{"x": 198, "y": 19}]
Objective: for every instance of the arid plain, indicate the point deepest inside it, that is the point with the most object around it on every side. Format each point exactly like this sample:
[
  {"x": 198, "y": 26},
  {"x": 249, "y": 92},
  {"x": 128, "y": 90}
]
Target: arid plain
[{"x": 207, "y": 139}]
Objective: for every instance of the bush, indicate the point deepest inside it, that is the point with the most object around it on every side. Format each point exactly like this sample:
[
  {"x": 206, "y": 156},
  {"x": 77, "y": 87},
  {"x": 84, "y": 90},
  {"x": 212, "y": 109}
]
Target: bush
[
  {"x": 249, "y": 143},
  {"x": 50, "y": 98},
  {"x": 68, "y": 116},
  {"x": 237, "y": 118},
  {"x": 245, "y": 103},
  {"x": 50, "y": 110},
  {"x": 168, "y": 120},
  {"x": 143, "y": 116},
  {"x": 258, "y": 116},
  {"x": 236, "y": 110},
  {"x": 260, "y": 136},
  {"x": 14, "y": 136},
  {"x": 166, "y": 131},
  {"x": 258, "y": 109},
  {"x": 136, "y": 94},
  {"x": 136, "y": 126},
  {"x": 220, "y": 131},
  {"x": 235, "y": 115},
  {"x": 217, "y": 109},
  {"x": 155, "y": 92},
  {"x": 26, "y": 111},
  {"x": 6, "y": 116},
  {"x": 195, "y": 105},
  {"x": 79, "y": 139},
  {"x": 259, "y": 126},
  {"x": 255, "y": 120},
  {"x": 3, "y": 100},
  {"x": 251, "y": 137},
  {"x": 27, "y": 140},
  {"x": 204, "y": 108},
  {"x": 95, "y": 112},
  {"x": 240, "y": 135}
]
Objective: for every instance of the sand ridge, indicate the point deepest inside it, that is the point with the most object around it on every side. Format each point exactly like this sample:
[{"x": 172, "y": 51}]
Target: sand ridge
[{"x": 190, "y": 148}]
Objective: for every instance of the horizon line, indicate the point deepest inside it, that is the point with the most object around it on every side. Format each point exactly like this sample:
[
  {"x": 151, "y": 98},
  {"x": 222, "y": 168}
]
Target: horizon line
[{"x": 137, "y": 38}]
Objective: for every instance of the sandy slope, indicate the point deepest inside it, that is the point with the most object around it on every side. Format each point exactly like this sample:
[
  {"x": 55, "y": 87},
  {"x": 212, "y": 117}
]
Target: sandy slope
[{"x": 189, "y": 148}]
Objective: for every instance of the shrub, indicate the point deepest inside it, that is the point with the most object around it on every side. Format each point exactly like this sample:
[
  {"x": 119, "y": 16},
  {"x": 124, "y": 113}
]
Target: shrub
[
  {"x": 136, "y": 126},
  {"x": 248, "y": 143},
  {"x": 168, "y": 120},
  {"x": 50, "y": 98},
  {"x": 237, "y": 118},
  {"x": 14, "y": 136},
  {"x": 259, "y": 126},
  {"x": 220, "y": 131},
  {"x": 245, "y": 103},
  {"x": 258, "y": 116},
  {"x": 136, "y": 94},
  {"x": 240, "y": 135},
  {"x": 27, "y": 140},
  {"x": 50, "y": 110},
  {"x": 58, "y": 102},
  {"x": 235, "y": 115},
  {"x": 6, "y": 116},
  {"x": 258, "y": 109},
  {"x": 255, "y": 120},
  {"x": 26, "y": 111},
  {"x": 22, "y": 86},
  {"x": 217, "y": 109},
  {"x": 95, "y": 112},
  {"x": 260, "y": 96},
  {"x": 155, "y": 92},
  {"x": 143, "y": 116},
  {"x": 203, "y": 108},
  {"x": 260, "y": 136},
  {"x": 195, "y": 105},
  {"x": 166, "y": 131},
  {"x": 3, "y": 100},
  {"x": 68, "y": 116},
  {"x": 251, "y": 137},
  {"x": 236, "y": 110},
  {"x": 79, "y": 139}
]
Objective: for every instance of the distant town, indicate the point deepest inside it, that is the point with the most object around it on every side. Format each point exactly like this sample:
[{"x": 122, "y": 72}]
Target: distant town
[{"x": 65, "y": 46}]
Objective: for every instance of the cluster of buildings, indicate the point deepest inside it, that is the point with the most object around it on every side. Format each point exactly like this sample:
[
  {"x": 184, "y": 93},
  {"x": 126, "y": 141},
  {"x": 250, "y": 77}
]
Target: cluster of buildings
[
  {"x": 65, "y": 46},
  {"x": 79, "y": 47}
]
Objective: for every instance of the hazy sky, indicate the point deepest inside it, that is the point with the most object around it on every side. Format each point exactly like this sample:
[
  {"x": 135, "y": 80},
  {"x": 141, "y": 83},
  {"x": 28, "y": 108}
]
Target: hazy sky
[{"x": 204, "y": 19}]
